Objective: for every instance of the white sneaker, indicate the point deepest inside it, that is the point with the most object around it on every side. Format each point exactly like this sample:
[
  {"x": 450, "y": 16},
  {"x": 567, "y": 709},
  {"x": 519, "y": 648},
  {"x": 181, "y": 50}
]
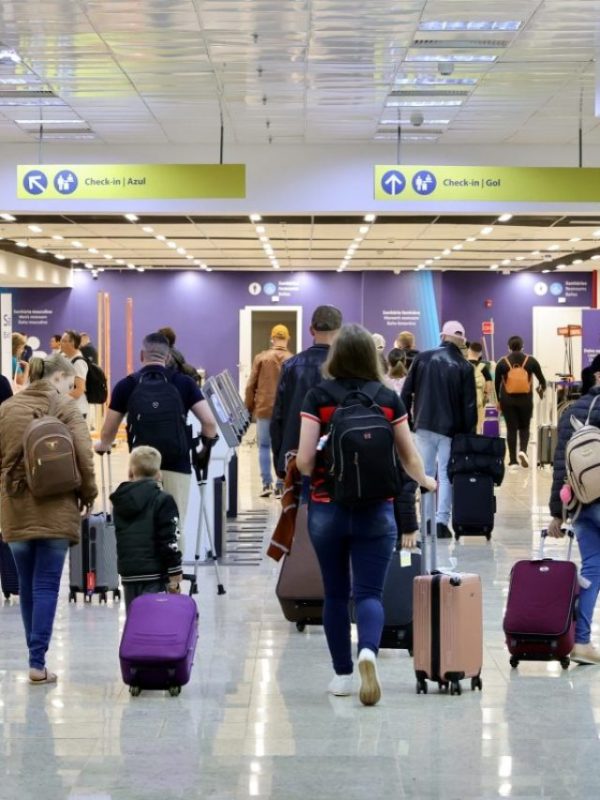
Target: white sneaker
[
  {"x": 340, "y": 685},
  {"x": 523, "y": 460},
  {"x": 370, "y": 688},
  {"x": 513, "y": 467},
  {"x": 585, "y": 654}
]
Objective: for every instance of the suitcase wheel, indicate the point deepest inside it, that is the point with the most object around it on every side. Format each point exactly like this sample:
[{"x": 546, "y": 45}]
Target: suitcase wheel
[
  {"x": 514, "y": 662},
  {"x": 174, "y": 691},
  {"x": 489, "y": 537},
  {"x": 565, "y": 662},
  {"x": 443, "y": 686},
  {"x": 117, "y": 594},
  {"x": 7, "y": 595},
  {"x": 455, "y": 687},
  {"x": 135, "y": 691},
  {"x": 72, "y": 596},
  {"x": 476, "y": 683},
  {"x": 421, "y": 686},
  {"x": 88, "y": 598},
  {"x": 301, "y": 627},
  {"x": 103, "y": 597}
]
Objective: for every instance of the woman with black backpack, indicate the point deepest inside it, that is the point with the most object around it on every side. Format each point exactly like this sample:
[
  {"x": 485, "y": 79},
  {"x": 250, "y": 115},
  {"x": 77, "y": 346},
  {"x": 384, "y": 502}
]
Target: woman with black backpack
[{"x": 353, "y": 429}]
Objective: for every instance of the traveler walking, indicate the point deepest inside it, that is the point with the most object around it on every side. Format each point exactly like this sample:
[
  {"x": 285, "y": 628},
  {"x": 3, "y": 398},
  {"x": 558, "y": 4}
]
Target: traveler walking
[
  {"x": 299, "y": 374},
  {"x": 587, "y": 522},
  {"x": 397, "y": 371},
  {"x": 70, "y": 343},
  {"x": 483, "y": 381},
  {"x": 39, "y": 529},
  {"x": 177, "y": 359},
  {"x": 354, "y": 543},
  {"x": 156, "y": 400},
  {"x": 514, "y": 389},
  {"x": 405, "y": 341},
  {"x": 260, "y": 399},
  {"x": 88, "y": 350},
  {"x": 440, "y": 394},
  {"x": 55, "y": 343},
  {"x": 20, "y": 367}
]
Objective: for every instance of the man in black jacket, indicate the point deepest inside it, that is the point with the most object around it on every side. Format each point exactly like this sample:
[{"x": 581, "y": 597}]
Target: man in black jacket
[
  {"x": 587, "y": 523},
  {"x": 440, "y": 395},
  {"x": 147, "y": 529},
  {"x": 299, "y": 374}
]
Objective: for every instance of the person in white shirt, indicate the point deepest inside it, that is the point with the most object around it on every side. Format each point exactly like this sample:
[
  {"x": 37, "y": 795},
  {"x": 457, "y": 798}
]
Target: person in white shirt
[{"x": 69, "y": 344}]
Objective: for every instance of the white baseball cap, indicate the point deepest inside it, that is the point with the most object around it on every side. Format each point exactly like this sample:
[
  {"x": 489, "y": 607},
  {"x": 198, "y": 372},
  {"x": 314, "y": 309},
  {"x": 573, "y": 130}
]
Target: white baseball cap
[{"x": 453, "y": 328}]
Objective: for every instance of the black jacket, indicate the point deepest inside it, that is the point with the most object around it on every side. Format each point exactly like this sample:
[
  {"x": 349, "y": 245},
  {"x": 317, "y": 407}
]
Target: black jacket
[
  {"x": 405, "y": 509},
  {"x": 408, "y": 356},
  {"x": 298, "y": 374},
  {"x": 532, "y": 367},
  {"x": 147, "y": 528},
  {"x": 439, "y": 392},
  {"x": 579, "y": 409}
]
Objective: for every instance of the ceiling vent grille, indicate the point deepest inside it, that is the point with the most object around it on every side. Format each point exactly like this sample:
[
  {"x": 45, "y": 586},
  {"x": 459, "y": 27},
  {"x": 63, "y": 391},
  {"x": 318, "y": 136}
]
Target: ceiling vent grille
[
  {"x": 478, "y": 44},
  {"x": 429, "y": 93},
  {"x": 20, "y": 94}
]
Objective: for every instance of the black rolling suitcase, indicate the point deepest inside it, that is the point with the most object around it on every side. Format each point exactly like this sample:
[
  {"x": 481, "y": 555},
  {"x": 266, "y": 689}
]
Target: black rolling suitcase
[
  {"x": 9, "y": 578},
  {"x": 547, "y": 439},
  {"x": 473, "y": 505},
  {"x": 398, "y": 600},
  {"x": 93, "y": 562}
]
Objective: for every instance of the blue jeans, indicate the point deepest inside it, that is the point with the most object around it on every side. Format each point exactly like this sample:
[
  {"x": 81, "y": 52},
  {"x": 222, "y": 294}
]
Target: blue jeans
[
  {"x": 39, "y": 564},
  {"x": 354, "y": 547},
  {"x": 587, "y": 530},
  {"x": 435, "y": 452},
  {"x": 263, "y": 437}
]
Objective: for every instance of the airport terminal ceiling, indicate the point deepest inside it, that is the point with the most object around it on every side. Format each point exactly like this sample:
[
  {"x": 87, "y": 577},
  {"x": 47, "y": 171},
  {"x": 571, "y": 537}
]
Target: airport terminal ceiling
[{"x": 298, "y": 243}]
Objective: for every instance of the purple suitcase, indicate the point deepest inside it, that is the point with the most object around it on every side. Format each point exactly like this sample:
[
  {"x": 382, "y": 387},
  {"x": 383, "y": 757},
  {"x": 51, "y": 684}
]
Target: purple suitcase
[
  {"x": 159, "y": 642},
  {"x": 491, "y": 421},
  {"x": 539, "y": 622}
]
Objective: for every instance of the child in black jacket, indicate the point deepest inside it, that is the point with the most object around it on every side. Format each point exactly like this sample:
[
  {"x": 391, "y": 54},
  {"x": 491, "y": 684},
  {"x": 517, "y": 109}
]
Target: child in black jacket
[{"x": 147, "y": 528}]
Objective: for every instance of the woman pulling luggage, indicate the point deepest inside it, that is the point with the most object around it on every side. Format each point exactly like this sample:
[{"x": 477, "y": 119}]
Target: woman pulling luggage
[
  {"x": 39, "y": 529},
  {"x": 352, "y": 428}
]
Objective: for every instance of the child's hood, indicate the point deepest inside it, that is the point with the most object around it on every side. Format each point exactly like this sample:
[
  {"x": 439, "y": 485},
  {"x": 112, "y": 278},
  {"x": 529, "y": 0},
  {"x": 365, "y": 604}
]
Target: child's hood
[{"x": 132, "y": 497}]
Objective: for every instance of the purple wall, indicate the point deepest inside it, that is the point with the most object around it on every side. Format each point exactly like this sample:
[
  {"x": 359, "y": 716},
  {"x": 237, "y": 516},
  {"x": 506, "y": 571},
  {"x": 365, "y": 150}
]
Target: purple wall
[
  {"x": 512, "y": 297},
  {"x": 204, "y": 308}
]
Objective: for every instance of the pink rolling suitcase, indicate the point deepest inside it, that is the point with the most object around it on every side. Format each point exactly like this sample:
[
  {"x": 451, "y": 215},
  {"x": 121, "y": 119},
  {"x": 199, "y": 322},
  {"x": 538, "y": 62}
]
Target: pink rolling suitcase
[
  {"x": 539, "y": 622},
  {"x": 448, "y": 621},
  {"x": 491, "y": 421},
  {"x": 159, "y": 642}
]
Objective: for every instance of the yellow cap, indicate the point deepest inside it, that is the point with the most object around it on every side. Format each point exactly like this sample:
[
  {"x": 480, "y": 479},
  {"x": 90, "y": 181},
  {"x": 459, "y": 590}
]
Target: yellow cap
[{"x": 280, "y": 332}]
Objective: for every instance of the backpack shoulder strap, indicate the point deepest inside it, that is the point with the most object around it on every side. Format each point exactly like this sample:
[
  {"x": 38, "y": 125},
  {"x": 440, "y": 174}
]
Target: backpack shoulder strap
[
  {"x": 335, "y": 391},
  {"x": 526, "y": 360},
  {"x": 505, "y": 358},
  {"x": 371, "y": 389},
  {"x": 591, "y": 408}
]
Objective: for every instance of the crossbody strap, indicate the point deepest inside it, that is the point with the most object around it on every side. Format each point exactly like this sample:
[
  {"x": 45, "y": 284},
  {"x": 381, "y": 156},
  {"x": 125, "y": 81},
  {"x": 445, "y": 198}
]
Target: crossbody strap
[{"x": 591, "y": 408}]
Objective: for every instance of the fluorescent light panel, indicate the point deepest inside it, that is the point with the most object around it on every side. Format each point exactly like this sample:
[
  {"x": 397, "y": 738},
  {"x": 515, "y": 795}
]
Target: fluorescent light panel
[
  {"x": 455, "y": 58},
  {"x": 470, "y": 25},
  {"x": 423, "y": 103}
]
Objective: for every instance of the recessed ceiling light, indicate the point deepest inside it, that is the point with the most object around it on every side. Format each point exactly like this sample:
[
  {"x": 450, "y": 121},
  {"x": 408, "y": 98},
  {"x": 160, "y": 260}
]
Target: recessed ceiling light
[
  {"x": 578, "y": 261},
  {"x": 119, "y": 261},
  {"x": 141, "y": 269},
  {"x": 58, "y": 237},
  {"x": 561, "y": 266},
  {"x": 546, "y": 271},
  {"x": 209, "y": 269},
  {"x": 370, "y": 217},
  {"x": 446, "y": 252},
  {"x": 148, "y": 229},
  {"x": 554, "y": 247},
  {"x": 429, "y": 261},
  {"x": 470, "y": 25},
  {"x": 434, "y": 80},
  {"x": 363, "y": 229},
  {"x": 520, "y": 258},
  {"x": 132, "y": 217},
  {"x": 505, "y": 217},
  {"x": 472, "y": 239},
  {"x": 575, "y": 239},
  {"x": 437, "y": 258},
  {"x": 190, "y": 258},
  {"x": 506, "y": 262},
  {"x": 91, "y": 249},
  {"x": 87, "y": 265},
  {"x": 131, "y": 266},
  {"x": 21, "y": 244},
  {"x": 108, "y": 256},
  {"x": 41, "y": 250},
  {"x": 423, "y": 103},
  {"x": 172, "y": 245},
  {"x": 535, "y": 252},
  {"x": 101, "y": 269},
  {"x": 421, "y": 266},
  {"x": 161, "y": 238},
  {"x": 76, "y": 244},
  {"x": 487, "y": 230},
  {"x": 261, "y": 229},
  {"x": 255, "y": 218},
  {"x": 263, "y": 238},
  {"x": 358, "y": 239},
  {"x": 35, "y": 228},
  {"x": 457, "y": 247},
  {"x": 181, "y": 250},
  {"x": 340, "y": 269},
  {"x": 38, "y": 122},
  {"x": 59, "y": 256},
  {"x": 456, "y": 58},
  {"x": 596, "y": 233},
  {"x": 595, "y": 258},
  {"x": 8, "y": 217},
  {"x": 493, "y": 266}
]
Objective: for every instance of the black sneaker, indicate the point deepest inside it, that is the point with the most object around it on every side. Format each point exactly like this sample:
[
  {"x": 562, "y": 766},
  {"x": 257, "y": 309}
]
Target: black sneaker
[
  {"x": 266, "y": 490},
  {"x": 443, "y": 531},
  {"x": 278, "y": 493}
]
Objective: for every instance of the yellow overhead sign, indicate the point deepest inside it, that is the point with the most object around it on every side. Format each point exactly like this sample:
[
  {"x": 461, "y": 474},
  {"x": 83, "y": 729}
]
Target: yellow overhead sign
[
  {"x": 130, "y": 181},
  {"x": 487, "y": 184}
]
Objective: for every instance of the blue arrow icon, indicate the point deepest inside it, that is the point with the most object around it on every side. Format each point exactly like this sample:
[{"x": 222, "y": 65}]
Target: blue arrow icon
[
  {"x": 393, "y": 182},
  {"x": 35, "y": 182}
]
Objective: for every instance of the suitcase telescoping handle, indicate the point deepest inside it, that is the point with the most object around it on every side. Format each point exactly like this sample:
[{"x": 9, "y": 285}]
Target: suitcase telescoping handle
[
  {"x": 544, "y": 537},
  {"x": 428, "y": 512},
  {"x": 106, "y": 488}
]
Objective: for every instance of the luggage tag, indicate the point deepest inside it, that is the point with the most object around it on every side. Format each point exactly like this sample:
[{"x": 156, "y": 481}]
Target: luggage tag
[{"x": 406, "y": 558}]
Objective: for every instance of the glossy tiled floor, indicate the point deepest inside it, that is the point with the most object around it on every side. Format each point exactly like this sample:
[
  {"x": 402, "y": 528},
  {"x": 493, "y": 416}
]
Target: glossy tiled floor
[{"x": 256, "y": 721}]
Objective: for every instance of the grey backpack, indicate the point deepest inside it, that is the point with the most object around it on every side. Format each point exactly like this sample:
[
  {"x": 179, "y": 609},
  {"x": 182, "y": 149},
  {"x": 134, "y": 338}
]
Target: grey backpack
[{"x": 582, "y": 459}]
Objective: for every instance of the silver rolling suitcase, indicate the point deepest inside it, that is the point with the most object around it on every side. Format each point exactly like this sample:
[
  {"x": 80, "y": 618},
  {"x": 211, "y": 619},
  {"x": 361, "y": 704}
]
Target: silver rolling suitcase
[{"x": 93, "y": 562}]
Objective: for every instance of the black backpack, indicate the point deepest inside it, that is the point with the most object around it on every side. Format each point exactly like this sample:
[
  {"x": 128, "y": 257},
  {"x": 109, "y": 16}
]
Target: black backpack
[
  {"x": 363, "y": 464},
  {"x": 96, "y": 385},
  {"x": 156, "y": 417}
]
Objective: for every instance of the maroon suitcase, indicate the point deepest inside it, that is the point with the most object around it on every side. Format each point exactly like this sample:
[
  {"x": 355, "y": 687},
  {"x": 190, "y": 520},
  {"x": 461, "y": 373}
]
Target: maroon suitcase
[
  {"x": 539, "y": 622},
  {"x": 159, "y": 642}
]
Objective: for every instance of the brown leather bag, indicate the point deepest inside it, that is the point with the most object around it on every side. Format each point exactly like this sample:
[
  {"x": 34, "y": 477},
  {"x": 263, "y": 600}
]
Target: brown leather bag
[{"x": 49, "y": 456}]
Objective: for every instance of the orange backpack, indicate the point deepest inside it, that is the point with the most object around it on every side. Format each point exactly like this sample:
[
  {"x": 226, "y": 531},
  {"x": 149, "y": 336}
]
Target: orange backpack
[{"x": 517, "y": 380}]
